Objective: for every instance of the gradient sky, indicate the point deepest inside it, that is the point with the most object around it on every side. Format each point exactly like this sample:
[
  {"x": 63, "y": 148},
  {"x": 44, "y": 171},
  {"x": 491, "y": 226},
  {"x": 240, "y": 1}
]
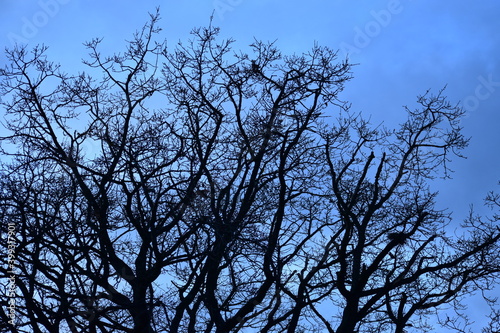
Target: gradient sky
[{"x": 403, "y": 48}]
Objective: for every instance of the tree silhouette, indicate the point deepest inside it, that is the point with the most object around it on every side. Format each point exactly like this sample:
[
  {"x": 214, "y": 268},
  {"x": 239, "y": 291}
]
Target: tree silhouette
[{"x": 202, "y": 190}]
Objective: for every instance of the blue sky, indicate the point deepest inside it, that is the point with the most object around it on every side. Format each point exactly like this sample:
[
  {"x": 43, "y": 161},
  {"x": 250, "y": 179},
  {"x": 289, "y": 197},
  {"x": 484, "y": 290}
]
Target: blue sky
[{"x": 403, "y": 48}]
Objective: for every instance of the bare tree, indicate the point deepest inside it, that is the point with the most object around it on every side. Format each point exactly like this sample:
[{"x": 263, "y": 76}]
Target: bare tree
[{"x": 202, "y": 190}]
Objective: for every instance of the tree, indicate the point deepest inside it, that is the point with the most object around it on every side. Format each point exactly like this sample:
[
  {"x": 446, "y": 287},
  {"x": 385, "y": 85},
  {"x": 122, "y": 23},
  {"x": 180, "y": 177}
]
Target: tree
[{"x": 201, "y": 190}]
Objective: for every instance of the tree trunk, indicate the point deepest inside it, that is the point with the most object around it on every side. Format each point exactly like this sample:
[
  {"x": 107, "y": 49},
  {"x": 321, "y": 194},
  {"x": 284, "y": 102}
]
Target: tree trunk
[{"x": 349, "y": 318}]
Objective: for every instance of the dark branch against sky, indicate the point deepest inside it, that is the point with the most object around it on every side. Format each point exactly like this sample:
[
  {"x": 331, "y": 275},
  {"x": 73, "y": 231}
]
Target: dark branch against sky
[{"x": 403, "y": 48}]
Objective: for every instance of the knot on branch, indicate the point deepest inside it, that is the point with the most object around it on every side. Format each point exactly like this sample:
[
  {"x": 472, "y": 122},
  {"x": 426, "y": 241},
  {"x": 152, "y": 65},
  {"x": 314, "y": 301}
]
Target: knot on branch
[{"x": 398, "y": 237}]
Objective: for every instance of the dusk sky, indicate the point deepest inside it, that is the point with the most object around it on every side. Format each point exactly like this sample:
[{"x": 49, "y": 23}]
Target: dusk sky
[{"x": 402, "y": 48}]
